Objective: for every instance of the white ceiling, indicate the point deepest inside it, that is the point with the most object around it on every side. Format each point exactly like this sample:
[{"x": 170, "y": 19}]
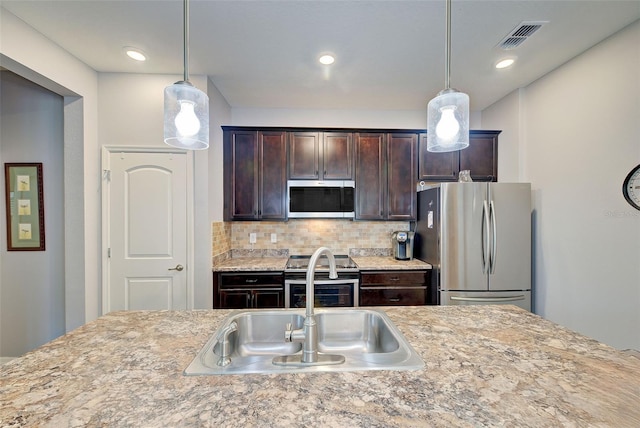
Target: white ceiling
[{"x": 389, "y": 54}]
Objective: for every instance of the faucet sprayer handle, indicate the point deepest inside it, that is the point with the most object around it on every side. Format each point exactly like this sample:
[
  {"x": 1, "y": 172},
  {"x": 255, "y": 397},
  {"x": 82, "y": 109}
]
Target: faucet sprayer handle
[{"x": 288, "y": 332}]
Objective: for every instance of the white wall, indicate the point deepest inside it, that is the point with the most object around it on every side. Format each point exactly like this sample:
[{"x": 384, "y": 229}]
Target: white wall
[
  {"x": 576, "y": 134},
  {"x": 220, "y": 112},
  {"x": 131, "y": 114},
  {"x": 28, "y": 53},
  {"x": 32, "y": 300},
  {"x": 505, "y": 116},
  {"x": 384, "y": 119}
]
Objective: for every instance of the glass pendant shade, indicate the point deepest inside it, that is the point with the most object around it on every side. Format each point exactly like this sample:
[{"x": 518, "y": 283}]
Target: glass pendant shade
[
  {"x": 448, "y": 121},
  {"x": 186, "y": 117}
]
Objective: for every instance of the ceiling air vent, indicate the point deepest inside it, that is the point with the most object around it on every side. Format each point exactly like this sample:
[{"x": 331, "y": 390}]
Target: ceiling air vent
[{"x": 521, "y": 33}]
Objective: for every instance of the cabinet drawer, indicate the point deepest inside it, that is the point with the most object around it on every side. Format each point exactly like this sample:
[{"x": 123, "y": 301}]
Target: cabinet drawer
[
  {"x": 234, "y": 280},
  {"x": 393, "y": 296},
  {"x": 394, "y": 278}
]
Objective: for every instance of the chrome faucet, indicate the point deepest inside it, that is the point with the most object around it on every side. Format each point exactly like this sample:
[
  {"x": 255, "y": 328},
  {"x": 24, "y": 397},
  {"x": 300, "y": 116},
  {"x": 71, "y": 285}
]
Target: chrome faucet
[
  {"x": 309, "y": 332},
  {"x": 225, "y": 346}
]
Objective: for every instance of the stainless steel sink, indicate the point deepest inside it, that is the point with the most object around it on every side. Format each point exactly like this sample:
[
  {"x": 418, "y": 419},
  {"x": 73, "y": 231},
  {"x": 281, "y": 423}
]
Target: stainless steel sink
[{"x": 367, "y": 338}]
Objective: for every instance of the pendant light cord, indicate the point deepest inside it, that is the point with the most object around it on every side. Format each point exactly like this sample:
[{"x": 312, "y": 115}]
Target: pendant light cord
[
  {"x": 447, "y": 51},
  {"x": 186, "y": 40}
]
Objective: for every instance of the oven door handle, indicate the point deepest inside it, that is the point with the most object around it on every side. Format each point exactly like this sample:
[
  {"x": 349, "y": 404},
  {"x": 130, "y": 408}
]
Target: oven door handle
[
  {"x": 353, "y": 282},
  {"x": 322, "y": 281}
]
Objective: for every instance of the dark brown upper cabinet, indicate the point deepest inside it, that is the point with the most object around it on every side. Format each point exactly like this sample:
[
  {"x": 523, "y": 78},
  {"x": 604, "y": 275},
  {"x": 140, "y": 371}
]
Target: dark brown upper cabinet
[
  {"x": 320, "y": 155},
  {"x": 481, "y": 158},
  {"x": 371, "y": 175},
  {"x": 385, "y": 164},
  {"x": 255, "y": 175},
  {"x": 385, "y": 171},
  {"x": 401, "y": 170}
]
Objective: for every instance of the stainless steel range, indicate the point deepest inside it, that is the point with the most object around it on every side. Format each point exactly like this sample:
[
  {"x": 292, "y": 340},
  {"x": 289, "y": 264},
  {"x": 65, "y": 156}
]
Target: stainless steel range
[{"x": 339, "y": 292}]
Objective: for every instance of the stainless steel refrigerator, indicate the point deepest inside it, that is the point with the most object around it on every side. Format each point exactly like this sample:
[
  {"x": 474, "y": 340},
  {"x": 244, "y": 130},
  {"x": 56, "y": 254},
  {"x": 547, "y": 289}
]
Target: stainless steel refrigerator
[{"x": 477, "y": 237}]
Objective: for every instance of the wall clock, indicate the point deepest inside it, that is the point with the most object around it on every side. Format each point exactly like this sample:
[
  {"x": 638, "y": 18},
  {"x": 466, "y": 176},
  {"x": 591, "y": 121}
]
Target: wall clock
[{"x": 631, "y": 188}]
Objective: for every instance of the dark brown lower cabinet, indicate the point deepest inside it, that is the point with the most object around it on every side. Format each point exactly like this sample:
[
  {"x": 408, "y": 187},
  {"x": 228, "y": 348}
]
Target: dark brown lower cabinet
[
  {"x": 394, "y": 288},
  {"x": 242, "y": 290}
]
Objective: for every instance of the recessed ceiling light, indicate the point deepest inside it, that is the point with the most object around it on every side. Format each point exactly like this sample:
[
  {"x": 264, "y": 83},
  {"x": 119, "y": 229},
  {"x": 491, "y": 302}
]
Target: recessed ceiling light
[
  {"x": 504, "y": 63},
  {"x": 134, "y": 53},
  {"x": 326, "y": 59}
]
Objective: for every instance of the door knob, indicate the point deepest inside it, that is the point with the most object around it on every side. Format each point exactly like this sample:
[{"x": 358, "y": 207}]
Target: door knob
[{"x": 179, "y": 268}]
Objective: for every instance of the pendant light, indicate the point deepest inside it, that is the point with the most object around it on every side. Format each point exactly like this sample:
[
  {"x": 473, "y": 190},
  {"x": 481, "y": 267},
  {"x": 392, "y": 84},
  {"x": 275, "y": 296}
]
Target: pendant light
[
  {"x": 186, "y": 108},
  {"x": 448, "y": 112}
]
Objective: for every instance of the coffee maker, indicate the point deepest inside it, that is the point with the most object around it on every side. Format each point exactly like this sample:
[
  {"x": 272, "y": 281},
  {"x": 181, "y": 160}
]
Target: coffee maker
[{"x": 402, "y": 245}]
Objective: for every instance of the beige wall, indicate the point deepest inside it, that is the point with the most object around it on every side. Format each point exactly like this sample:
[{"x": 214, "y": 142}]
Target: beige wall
[
  {"x": 305, "y": 236},
  {"x": 576, "y": 134}
]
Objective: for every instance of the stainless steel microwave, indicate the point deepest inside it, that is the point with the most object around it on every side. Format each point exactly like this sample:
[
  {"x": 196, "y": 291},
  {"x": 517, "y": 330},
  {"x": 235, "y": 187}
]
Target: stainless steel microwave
[{"x": 320, "y": 199}]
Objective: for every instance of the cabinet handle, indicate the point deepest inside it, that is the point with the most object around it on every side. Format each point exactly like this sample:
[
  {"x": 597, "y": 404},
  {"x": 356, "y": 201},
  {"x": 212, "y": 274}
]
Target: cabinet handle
[
  {"x": 395, "y": 278},
  {"x": 395, "y": 299},
  {"x": 248, "y": 303},
  {"x": 251, "y": 281}
]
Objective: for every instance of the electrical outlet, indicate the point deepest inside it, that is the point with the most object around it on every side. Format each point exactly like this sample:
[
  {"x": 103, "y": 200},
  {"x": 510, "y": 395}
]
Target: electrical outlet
[
  {"x": 252, "y": 238},
  {"x": 274, "y": 238}
]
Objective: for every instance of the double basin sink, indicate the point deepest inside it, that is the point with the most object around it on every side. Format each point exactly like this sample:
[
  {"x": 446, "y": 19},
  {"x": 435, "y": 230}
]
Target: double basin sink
[{"x": 367, "y": 339}]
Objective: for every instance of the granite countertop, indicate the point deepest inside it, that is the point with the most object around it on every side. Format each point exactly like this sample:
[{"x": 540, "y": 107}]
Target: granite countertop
[
  {"x": 485, "y": 366},
  {"x": 389, "y": 263},
  {"x": 236, "y": 264}
]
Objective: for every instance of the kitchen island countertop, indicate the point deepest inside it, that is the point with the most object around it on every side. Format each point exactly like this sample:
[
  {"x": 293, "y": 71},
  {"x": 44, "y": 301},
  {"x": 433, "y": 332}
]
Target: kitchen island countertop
[{"x": 485, "y": 366}]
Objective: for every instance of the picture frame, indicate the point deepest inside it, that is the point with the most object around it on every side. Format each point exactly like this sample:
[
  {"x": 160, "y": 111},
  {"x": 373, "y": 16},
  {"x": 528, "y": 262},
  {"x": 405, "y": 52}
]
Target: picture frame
[{"x": 24, "y": 199}]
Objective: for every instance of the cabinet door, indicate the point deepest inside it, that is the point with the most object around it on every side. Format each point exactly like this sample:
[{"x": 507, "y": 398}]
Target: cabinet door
[
  {"x": 437, "y": 166},
  {"x": 394, "y": 278},
  {"x": 268, "y": 298},
  {"x": 393, "y": 296},
  {"x": 273, "y": 176},
  {"x": 304, "y": 155},
  {"x": 401, "y": 170},
  {"x": 389, "y": 288},
  {"x": 337, "y": 156},
  {"x": 371, "y": 176},
  {"x": 235, "y": 299},
  {"x": 241, "y": 175},
  {"x": 481, "y": 157}
]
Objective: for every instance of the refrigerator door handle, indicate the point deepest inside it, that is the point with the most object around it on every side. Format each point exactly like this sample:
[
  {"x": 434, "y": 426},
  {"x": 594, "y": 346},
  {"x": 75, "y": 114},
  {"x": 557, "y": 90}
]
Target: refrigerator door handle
[
  {"x": 485, "y": 237},
  {"x": 489, "y": 299},
  {"x": 494, "y": 238}
]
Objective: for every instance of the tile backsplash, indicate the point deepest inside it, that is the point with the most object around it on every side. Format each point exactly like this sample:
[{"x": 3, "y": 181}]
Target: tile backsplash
[{"x": 302, "y": 236}]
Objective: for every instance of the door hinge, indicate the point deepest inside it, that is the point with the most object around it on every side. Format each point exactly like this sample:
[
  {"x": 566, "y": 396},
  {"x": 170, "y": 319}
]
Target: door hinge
[
  {"x": 108, "y": 253},
  {"x": 106, "y": 174}
]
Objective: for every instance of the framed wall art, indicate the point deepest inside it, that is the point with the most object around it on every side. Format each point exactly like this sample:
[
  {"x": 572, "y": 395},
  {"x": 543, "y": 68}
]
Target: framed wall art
[{"x": 25, "y": 206}]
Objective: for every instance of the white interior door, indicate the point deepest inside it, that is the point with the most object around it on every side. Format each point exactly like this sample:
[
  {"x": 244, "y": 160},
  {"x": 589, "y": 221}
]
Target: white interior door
[{"x": 147, "y": 231}]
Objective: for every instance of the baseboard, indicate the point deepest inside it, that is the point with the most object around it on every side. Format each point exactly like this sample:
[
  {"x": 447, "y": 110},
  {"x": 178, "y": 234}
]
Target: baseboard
[{"x": 4, "y": 360}]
